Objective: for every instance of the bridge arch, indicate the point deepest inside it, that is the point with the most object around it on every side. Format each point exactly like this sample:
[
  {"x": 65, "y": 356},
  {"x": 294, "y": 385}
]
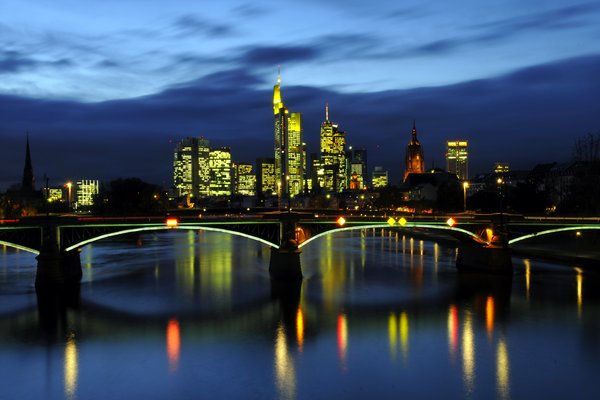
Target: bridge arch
[
  {"x": 159, "y": 228},
  {"x": 465, "y": 232},
  {"x": 551, "y": 231},
  {"x": 19, "y": 247}
]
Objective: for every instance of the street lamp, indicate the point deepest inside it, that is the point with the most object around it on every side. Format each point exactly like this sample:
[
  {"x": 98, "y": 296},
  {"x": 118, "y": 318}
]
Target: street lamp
[
  {"x": 465, "y": 187},
  {"x": 287, "y": 186},
  {"x": 69, "y": 185}
]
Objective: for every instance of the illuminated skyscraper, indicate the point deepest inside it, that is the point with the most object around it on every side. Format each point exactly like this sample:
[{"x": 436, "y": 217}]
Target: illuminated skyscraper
[
  {"x": 357, "y": 168},
  {"x": 220, "y": 171},
  {"x": 333, "y": 156},
  {"x": 415, "y": 164},
  {"x": 457, "y": 159},
  {"x": 289, "y": 154},
  {"x": 265, "y": 176},
  {"x": 191, "y": 172},
  {"x": 244, "y": 180}
]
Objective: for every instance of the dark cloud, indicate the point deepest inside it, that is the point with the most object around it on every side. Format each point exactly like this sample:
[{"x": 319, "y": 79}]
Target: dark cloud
[
  {"x": 274, "y": 55},
  {"x": 250, "y": 10},
  {"x": 14, "y": 61},
  {"x": 530, "y": 116},
  {"x": 193, "y": 24},
  {"x": 573, "y": 16}
]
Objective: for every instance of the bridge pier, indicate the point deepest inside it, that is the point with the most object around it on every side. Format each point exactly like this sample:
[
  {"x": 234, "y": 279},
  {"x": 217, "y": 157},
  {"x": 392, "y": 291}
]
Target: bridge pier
[
  {"x": 56, "y": 267},
  {"x": 285, "y": 261},
  {"x": 494, "y": 258}
]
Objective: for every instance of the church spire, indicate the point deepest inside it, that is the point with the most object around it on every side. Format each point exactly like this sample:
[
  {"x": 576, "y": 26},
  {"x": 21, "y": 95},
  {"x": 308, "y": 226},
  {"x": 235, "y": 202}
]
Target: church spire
[{"x": 28, "y": 183}]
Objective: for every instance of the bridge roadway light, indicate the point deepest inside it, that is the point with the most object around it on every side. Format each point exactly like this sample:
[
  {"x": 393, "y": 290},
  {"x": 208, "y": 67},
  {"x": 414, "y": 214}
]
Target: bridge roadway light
[
  {"x": 172, "y": 222},
  {"x": 341, "y": 221},
  {"x": 465, "y": 186},
  {"x": 451, "y": 222}
]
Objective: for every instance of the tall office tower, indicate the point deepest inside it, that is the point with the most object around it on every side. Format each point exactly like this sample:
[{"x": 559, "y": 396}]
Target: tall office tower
[
  {"x": 220, "y": 171},
  {"x": 86, "y": 190},
  {"x": 289, "y": 159},
  {"x": 191, "y": 171},
  {"x": 185, "y": 168},
  {"x": 203, "y": 162},
  {"x": 333, "y": 156},
  {"x": 265, "y": 177},
  {"x": 244, "y": 180},
  {"x": 380, "y": 177},
  {"x": 28, "y": 183},
  {"x": 457, "y": 161},
  {"x": 415, "y": 164},
  {"x": 357, "y": 160}
]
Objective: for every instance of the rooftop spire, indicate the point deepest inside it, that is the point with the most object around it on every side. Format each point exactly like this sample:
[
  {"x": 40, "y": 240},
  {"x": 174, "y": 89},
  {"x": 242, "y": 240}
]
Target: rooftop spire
[
  {"x": 278, "y": 74},
  {"x": 414, "y": 131},
  {"x": 326, "y": 111},
  {"x": 28, "y": 182}
]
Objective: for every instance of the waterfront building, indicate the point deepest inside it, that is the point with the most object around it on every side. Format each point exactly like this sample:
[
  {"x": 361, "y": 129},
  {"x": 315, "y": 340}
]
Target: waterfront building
[
  {"x": 457, "y": 161},
  {"x": 415, "y": 163},
  {"x": 380, "y": 177},
  {"x": 334, "y": 177},
  {"x": 220, "y": 171},
  {"x": 85, "y": 190},
  {"x": 244, "y": 179},
  {"x": 265, "y": 176},
  {"x": 501, "y": 168},
  {"x": 289, "y": 152}
]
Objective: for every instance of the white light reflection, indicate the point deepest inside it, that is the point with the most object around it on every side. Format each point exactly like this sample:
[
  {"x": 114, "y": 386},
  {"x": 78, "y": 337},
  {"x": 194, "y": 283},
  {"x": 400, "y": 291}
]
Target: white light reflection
[{"x": 71, "y": 366}]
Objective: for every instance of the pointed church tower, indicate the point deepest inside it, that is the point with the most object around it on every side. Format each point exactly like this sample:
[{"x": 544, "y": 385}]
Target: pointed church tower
[
  {"x": 28, "y": 184},
  {"x": 415, "y": 164}
]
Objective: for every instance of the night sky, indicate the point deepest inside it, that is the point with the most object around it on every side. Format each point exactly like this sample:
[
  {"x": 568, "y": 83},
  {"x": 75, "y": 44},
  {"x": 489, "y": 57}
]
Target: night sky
[{"x": 106, "y": 89}]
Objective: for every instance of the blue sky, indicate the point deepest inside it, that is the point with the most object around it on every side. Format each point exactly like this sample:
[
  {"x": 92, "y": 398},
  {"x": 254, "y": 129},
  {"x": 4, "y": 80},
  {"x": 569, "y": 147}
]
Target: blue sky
[{"x": 123, "y": 80}]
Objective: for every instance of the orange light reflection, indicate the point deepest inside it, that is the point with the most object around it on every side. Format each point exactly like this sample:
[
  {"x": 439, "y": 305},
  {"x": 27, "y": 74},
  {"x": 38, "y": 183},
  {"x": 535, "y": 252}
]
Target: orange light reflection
[{"x": 173, "y": 344}]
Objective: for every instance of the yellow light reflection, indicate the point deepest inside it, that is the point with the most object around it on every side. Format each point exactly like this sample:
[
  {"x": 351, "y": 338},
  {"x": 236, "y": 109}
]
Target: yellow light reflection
[
  {"x": 342, "y": 338},
  {"x": 453, "y": 331},
  {"x": 285, "y": 373},
  {"x": 579, "y": 277},
  {"x": 404, "y": 333},
  {"x": 489, "y": 315},
  {"x": 468, "y": 354},
  {"x": 300, "y": 328},
  {"x": 527, "y": 277},
  {"x": 502, "y": 371},
  {"x": 393, "y": 334},
  {"x": 173, "y": 344},
  {"x": 71, "y": 366}
]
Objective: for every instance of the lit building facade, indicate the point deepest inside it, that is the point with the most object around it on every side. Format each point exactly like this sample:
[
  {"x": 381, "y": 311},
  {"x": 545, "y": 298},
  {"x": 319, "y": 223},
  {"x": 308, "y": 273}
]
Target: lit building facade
[
  {"x": 357, "y": 167},
  {"x": 191, "y": 170},
  {"x": 501, "y": 168},
  {"x": 289, "y": 151},
  {"x": 86, "y": 189},
  {"x": 380, "y": 177},
  {"x": 265, "y": 176},
  {"x": 457, "y": 158},
  {"x": 415, "y": 163},
  {"x": 334, "y": 176},
  {"x": 244, "y": 180},
  {"x": 220, "y": 171}
]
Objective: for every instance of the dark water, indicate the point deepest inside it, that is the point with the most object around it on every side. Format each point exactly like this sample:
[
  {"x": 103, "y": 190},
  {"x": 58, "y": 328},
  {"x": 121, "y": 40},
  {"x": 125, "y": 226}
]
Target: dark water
[{"x": 194, "y": 315}]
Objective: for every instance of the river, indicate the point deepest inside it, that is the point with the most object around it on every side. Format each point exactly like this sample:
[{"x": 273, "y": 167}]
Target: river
[{"x": 188, "y": 315}]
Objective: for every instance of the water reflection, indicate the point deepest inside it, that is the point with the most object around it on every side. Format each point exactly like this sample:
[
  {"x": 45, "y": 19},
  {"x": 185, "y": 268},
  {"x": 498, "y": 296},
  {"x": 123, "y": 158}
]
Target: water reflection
[
  {"x": 71, "y": 366},
  {"x": 285, "y": 371},
  {"x": 247, "y": 334},
  {"x": 468, "y": 354},
  {"x": 173, "y": 344},
  {"x": 502, "y": 370}
]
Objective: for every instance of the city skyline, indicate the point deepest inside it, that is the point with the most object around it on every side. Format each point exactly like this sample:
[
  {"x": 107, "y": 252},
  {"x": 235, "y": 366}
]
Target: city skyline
[{"x": 526, "y": 104}]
